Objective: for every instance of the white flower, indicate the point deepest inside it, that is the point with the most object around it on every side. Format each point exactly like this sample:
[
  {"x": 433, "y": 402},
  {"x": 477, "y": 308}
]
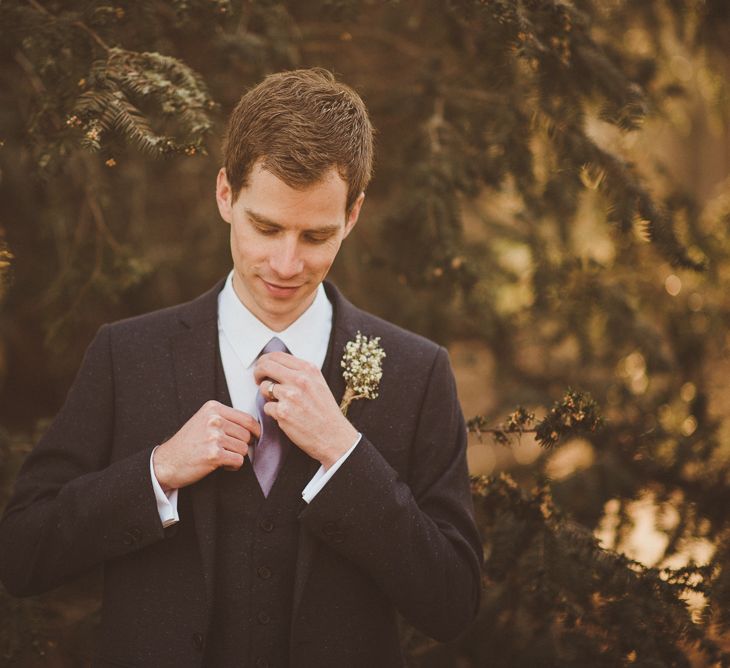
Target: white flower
[{"x": 362, "y": 369}]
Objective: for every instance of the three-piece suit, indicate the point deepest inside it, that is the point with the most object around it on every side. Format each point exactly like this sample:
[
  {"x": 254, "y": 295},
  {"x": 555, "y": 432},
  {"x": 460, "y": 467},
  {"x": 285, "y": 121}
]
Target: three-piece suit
[{"x": 245, "y": 579}]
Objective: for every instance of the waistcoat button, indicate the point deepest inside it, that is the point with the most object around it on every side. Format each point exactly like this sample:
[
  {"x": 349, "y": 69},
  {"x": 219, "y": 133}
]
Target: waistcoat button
[
  {"x": 264, "y": 572},
  {"x": 266, "y": 525},
  {"x": 263, "y": 617},
  {"x": 262, "y": 663}
]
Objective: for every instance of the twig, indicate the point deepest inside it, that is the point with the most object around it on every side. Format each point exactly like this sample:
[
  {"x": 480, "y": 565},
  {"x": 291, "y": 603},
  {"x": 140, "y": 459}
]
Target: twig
[
  {"x": 474, "y": 430},
  {"x": 37, "y": 83},
  {"x": 79, "y": 24},
  {"x": 434, "y": 125},
  {"x": 93, "y": 35},
  {"x": 98, "y": 216}
]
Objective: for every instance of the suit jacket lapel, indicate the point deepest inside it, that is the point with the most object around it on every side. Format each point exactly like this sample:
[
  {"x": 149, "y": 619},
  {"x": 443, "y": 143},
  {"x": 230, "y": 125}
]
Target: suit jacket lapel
[
  {"x": 347, "y": 320},
  {"x": 345, "y": 323},
  {"x": 194, "y": 352}
]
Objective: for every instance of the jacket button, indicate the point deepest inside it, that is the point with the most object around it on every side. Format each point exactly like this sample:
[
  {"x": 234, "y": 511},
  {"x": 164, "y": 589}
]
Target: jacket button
[
  {"x": 262, "y": 663},
  {"x": 264, "y": 572},
  {"x": 263, "y": 617},
  {"x": 198, "y": 641},
  {"x": 266, "y": 525},
  {"x": 329, "y": 528}
]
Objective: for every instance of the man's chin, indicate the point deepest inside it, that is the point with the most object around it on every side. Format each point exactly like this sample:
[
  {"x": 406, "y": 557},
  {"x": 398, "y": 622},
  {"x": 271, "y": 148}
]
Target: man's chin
[{"x": 284, "y": 307}]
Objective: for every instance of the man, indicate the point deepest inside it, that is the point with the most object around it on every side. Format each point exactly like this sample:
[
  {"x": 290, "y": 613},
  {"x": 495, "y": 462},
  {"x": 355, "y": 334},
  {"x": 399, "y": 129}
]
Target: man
[{"x": 203, "y": 458}]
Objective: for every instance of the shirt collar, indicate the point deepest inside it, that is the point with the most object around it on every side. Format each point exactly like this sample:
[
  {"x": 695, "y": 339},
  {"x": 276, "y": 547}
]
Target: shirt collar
[{"x": 248, "y": 335}]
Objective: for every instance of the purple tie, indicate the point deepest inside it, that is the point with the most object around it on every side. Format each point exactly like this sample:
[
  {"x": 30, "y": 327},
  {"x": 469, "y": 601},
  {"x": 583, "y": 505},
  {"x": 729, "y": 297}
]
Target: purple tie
[{"x": 268, "y": 453}]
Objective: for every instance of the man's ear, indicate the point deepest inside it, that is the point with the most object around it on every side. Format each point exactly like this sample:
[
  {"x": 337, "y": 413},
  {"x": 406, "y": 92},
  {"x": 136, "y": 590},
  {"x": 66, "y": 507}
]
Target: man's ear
[
  {"x": 224, "y": 196},
  {"x": 354, "y": 214}
]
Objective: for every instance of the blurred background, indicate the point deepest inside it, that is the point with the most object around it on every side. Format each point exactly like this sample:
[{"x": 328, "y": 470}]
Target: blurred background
[{"x": 551, "y": 202}]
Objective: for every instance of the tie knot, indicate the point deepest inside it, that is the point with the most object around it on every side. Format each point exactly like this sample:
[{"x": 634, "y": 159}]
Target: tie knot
[{"x": 275, "y": 345}]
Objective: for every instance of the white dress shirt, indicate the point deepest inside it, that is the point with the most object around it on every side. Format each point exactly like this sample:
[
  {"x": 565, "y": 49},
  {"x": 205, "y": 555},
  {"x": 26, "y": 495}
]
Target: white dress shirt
[{"x": 241, "y": 337}]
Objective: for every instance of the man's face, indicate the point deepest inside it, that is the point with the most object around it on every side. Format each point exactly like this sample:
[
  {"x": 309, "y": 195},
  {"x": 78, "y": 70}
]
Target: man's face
[{"x": 283, "y": 241}]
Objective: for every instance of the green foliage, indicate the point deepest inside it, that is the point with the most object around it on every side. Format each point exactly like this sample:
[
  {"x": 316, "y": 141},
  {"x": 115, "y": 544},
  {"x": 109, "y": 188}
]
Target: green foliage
[
  {"x": 575, "y": 414},
  {"x": 580, "y": 605},
  {"x": 106, "y": 105}
]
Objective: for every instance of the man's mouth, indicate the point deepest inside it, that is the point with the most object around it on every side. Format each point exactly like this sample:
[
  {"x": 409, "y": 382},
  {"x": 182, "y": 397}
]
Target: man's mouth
[{"x": 280, "y": 290}]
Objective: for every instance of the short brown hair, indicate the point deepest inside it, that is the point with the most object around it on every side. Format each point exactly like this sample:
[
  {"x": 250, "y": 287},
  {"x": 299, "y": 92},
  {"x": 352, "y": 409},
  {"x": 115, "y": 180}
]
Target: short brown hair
[{"x": 300, "y": 124}]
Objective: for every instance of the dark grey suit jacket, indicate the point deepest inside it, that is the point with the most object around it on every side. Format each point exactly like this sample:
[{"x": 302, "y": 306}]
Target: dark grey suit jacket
[{"x": 393, "y": 529}]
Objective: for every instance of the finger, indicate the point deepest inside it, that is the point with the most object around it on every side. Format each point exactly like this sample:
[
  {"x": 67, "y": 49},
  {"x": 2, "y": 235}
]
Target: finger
[
  {"x": 273, "y": 408},
  {"x": 269, "y": 368},
  {"x": 231, "y": 461},
  {"x": 285, "y": 359},
  {"x": 233, "y": 445},
  {"x": 287, "y": 393},
  {"x": 236, "y": 431},
  {"x": 290, "y": 362},
  {"x": 268, "y": 389},
  {"x": 240, "y": 418},
  {"x": 281, "y": 411}
]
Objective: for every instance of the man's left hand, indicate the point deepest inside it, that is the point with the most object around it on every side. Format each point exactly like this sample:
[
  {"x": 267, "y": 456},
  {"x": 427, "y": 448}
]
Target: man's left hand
[{"x": 304, "y": 407}]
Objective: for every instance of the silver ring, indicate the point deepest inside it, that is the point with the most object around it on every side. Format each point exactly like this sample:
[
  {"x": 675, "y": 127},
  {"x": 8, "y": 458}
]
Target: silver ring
[{"x": 270, "y": 390}]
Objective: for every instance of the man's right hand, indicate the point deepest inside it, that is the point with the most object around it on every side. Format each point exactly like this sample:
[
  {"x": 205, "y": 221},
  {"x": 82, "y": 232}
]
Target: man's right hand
[{"x": 217, "y": 435}]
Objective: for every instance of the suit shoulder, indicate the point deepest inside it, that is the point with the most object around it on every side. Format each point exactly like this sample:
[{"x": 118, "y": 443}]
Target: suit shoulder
[
  {"x": 155, "y": 322},
  {"x": 167, "y": 320},
  {"x": 382, "y": 327},
  {"x": 412, "y": 348}
]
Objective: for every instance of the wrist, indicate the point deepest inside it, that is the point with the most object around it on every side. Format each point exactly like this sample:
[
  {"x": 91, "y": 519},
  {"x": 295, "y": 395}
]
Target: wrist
[
  {"x": 340, "y": 444},
  {"x": 160, "y": 471}
]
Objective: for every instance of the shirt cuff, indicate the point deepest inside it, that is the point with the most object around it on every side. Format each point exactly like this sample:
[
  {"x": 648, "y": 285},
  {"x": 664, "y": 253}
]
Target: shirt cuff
[
  {"x": 166, "y": 503},
  {"x": 322, "y": 476}
]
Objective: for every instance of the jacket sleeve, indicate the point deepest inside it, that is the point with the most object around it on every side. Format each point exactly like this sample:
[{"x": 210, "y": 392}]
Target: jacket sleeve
[
  {"x": 72, "y": 509},
  {"x": 417, "y": 538}
]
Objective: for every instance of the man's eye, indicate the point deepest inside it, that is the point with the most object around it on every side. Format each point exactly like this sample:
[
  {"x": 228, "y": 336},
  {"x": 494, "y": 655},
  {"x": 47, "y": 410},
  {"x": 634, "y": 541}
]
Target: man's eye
[
  {"x": 267, "y": 231},
  {"x": 316, "y": 240}
]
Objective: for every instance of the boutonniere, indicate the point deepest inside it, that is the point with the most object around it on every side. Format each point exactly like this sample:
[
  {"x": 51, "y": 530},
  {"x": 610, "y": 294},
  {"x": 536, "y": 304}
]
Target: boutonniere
[{"x": 362, "y": 369}]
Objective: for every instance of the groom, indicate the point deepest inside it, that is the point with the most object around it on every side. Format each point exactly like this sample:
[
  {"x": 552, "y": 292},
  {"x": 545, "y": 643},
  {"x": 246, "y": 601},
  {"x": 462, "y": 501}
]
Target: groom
[{"x": 203, "y": 458}]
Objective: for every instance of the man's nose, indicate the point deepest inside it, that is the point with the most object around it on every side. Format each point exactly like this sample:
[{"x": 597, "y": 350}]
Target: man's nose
[{"x": 285, "y": 261}]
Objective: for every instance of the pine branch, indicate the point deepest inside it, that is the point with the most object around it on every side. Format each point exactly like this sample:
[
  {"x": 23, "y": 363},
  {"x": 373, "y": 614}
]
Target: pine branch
[
  {"x": 576, "y": 413},
  {"x": 603, "y": 607},
  {"x": 108, "y": 103}
]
